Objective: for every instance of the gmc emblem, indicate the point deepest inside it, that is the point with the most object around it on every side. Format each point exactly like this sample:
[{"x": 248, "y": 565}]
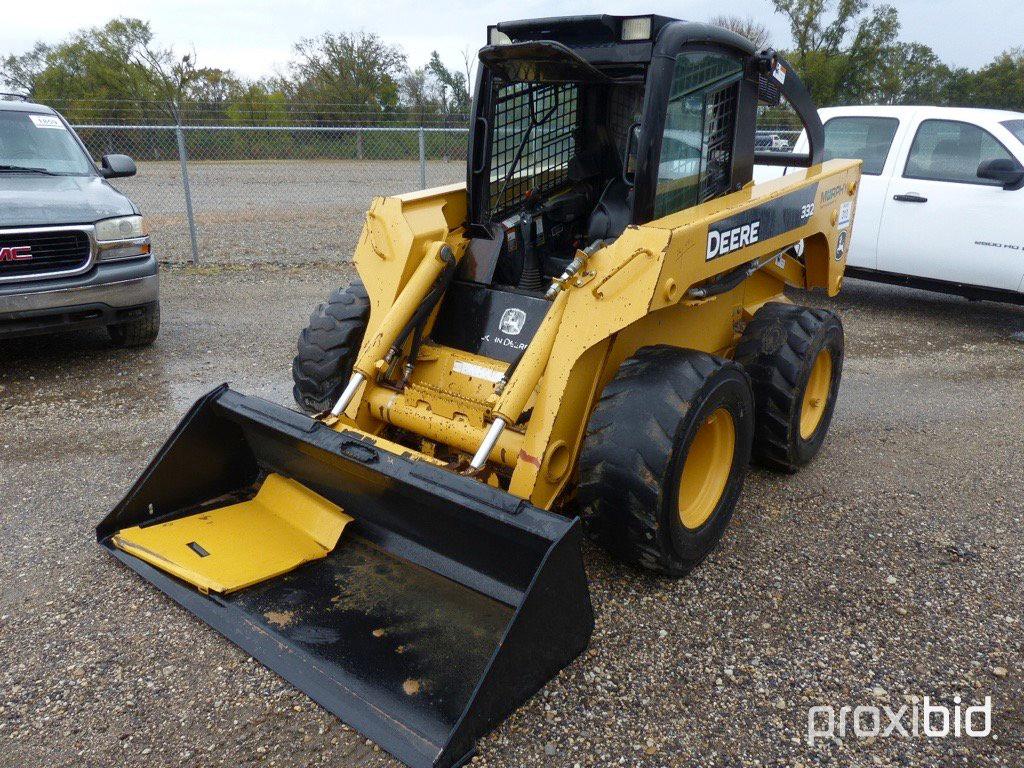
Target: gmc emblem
[{"x": 16, "y": 253}]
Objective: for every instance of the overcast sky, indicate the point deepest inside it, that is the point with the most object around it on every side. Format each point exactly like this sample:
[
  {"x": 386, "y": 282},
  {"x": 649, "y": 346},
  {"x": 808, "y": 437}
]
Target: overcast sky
[{"x": 253, "y": 37}]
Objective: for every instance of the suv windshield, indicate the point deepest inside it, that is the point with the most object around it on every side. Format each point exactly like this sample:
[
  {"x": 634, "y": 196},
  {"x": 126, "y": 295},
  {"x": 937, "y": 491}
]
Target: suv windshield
[
  {"x": 1016, "y": 127},
  {"x": 40, "y": 143}
]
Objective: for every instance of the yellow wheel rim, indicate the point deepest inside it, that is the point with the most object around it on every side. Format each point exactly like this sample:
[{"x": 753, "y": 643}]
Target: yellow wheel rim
[
  {"x": 707, "y": 468},
  {"x": 819, "y": 385}
]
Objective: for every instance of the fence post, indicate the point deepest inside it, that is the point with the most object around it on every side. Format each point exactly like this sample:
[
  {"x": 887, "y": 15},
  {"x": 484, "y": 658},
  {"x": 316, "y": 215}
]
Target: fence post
[
  {"x": 423, "y": 158},
  {"x": 183, "y": 157}
]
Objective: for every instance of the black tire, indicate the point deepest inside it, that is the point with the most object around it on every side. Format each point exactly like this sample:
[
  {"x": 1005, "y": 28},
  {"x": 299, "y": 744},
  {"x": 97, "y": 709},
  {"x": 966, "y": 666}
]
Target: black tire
[
  {"x": 137, "y": 333},
  {"x": 636, "y": 447},
  {"x": 328, "y": 347},
  {"x": 779, "y": 349}
]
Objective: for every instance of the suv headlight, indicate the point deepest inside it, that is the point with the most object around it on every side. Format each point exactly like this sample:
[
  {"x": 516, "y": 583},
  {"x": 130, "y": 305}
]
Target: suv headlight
[{"x": 121, "y": 238}]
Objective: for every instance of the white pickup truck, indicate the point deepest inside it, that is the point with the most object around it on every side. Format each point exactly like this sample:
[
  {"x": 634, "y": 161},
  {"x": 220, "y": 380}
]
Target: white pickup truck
[{"x": 941, "y": 203}]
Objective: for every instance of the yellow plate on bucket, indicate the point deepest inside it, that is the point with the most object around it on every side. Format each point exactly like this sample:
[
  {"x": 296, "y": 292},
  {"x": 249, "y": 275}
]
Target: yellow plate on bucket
[{"x": 228, "y": 548}]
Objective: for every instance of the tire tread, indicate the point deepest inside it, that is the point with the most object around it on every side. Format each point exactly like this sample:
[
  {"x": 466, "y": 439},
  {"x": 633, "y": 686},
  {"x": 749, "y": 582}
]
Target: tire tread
[
  {"x": 328, "y": 346},
  {"x": 774, "y": 370},
  {"x": 628, "y": 448},
  {"x": 137, "y": 333}
]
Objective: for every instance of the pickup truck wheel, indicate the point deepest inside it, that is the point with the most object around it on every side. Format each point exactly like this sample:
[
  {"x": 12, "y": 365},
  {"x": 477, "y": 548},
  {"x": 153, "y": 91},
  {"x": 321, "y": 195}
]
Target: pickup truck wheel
[
  {"x": 794, "y": 356},
  {"x": 665, "y": 456},
  {"x": 137, "y": 333},
  {"x": 328, "y": 347}
]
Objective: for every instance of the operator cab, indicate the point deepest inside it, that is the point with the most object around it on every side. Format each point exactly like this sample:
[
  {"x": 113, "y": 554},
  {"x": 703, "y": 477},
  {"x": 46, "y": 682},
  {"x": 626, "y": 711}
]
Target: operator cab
[{"x": 585, "y": 125}]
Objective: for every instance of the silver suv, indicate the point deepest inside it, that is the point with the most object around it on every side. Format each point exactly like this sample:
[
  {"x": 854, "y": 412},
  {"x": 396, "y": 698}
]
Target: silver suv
[{"x": 73, "y": 250}]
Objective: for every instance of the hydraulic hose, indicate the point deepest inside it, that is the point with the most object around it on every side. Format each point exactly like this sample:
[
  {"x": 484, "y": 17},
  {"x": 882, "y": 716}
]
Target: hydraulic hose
[
  {"x": 728, "y": 281},
  {"x": 407, "y": 305},
  {"x": 557, "y": 286},
  {"x": 430, "y": 301}
]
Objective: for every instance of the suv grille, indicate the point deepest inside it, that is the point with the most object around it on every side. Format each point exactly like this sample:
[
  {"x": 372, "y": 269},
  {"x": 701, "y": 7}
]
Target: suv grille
[{"x": 55, "y": 251}]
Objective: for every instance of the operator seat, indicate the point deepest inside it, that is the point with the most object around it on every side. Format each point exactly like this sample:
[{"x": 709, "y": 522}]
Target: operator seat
[{"x": 613, "y": 211}]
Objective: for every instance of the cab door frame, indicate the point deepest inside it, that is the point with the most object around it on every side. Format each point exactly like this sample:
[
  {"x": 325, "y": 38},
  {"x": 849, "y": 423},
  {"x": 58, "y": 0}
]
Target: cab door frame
[{"x": 679, "y": 38}]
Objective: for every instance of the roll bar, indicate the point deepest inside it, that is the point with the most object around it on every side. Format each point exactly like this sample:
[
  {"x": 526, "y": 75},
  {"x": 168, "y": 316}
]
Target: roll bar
[{"x": 795, "y": 92}]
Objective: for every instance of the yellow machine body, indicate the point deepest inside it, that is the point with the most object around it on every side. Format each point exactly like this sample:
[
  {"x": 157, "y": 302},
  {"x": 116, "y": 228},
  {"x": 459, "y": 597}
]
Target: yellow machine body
[{"x": 632, "y": 293}]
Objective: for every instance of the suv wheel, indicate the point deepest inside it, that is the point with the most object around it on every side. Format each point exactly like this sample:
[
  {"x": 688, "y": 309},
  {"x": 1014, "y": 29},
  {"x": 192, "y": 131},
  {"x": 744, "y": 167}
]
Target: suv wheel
[{"x": 136, "y": 333}]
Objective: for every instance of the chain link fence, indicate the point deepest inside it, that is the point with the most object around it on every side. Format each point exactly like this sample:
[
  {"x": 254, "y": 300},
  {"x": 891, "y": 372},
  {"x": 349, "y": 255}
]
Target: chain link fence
[
  {"x": 778, "y": 128},
  {"x": 237, "y": 193},
  {"x": 298, "y": 193}
]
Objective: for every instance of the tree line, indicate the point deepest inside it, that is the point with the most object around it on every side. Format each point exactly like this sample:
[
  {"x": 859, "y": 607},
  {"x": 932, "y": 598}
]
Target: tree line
[
  {"x": 846, "y": 52},
  {"x": 119, "y": 73},
  {"x": 850, "y": 53}
]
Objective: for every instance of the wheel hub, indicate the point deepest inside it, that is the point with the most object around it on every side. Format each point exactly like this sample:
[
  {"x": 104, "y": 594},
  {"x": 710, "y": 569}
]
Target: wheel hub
[
  {"x": 707, "y": 468},
  {"x": 819, "y": 385}
]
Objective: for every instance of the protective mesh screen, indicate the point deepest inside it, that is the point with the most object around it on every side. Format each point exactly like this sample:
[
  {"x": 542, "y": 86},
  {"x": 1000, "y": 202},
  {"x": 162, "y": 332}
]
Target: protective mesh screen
[
  {"x": 696, "y": 151},
  {"x": 696, "y": 71},
  {"x": 538, "y": 124},
  {"x": 719, "y": 124}
]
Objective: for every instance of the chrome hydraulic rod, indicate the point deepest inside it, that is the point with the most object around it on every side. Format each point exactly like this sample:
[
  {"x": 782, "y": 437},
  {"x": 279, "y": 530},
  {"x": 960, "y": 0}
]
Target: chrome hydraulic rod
[
  {"x": 480, "y": 458},
  {"x": 348, "y": 394}
]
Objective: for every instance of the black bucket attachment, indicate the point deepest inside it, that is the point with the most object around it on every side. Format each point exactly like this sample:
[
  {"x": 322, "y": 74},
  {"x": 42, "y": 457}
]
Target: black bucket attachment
[{"x": 444, "y": 605}]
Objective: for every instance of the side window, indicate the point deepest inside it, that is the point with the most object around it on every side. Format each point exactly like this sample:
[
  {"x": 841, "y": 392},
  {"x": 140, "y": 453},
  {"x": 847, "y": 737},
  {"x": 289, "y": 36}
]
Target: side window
[
  {"x": 1016, "y": 127},
  {"x": 948, "y": 150},
  {"x": 861, "y": 138},
  {"x": 696, "y": 147}
]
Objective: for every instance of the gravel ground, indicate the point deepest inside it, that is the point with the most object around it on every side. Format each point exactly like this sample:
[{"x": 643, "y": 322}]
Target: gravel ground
[
  {"x": 271, "y": 210},
  {"x": 890, "y": 568}
]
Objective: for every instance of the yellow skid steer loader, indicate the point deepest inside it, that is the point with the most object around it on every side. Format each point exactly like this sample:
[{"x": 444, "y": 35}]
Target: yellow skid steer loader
[{"x": 589, "y": 336}]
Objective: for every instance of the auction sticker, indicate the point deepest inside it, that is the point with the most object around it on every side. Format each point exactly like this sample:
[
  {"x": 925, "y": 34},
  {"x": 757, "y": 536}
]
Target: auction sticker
[
  {"x": 845, "y": 214},
  {"x": 47, "y": 121}
]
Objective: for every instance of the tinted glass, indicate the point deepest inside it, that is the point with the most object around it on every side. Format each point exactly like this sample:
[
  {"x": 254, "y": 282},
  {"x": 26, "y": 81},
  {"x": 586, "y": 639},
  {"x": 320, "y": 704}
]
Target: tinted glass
[
  {"x": 696, "y": 148},
  {"x": 41, "y": 141},
  {"x": 947, "y": 150},
  {"x": 1016, "y": 127},
  {"x": 861, "y": 138}
]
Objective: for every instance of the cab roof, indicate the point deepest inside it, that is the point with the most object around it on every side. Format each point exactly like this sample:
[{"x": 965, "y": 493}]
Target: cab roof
[
  {"x": 613, "y": 40},
  {"x": 573, "y": 31}
]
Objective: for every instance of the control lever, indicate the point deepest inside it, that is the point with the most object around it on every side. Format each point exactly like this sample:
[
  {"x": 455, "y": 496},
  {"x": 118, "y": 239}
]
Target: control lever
[{"x": 531, "y": 279}]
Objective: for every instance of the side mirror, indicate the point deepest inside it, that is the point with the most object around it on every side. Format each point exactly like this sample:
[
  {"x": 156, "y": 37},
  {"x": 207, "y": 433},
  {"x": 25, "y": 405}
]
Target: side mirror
[
  {"x": 117, "y": 166},
  {"x": 1009, "y": 173}
]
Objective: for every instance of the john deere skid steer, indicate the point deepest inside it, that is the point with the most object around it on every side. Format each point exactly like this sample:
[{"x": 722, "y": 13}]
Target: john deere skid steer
[{"x": 589, "y": 336}]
